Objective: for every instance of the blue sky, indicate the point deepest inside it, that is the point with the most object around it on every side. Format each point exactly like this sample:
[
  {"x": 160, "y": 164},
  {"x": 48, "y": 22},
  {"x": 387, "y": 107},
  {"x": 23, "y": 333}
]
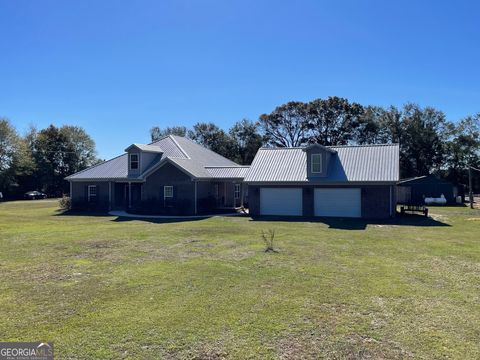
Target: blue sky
[{"x": 117, "y": 68}]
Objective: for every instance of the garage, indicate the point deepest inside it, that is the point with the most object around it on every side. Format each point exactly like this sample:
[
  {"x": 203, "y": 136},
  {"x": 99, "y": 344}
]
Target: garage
[
  {"x": 338, "y": 202},
  {"x": 281, "y": 201}
]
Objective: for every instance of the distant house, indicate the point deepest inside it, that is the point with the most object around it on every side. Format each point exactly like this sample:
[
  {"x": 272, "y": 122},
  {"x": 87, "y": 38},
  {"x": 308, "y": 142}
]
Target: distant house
[
  {"x": 171, "y": 176},
  {"x": 415, "y": 190},
  {"x": 339, "y": 181},
  {"x": 177, "y": 176}
]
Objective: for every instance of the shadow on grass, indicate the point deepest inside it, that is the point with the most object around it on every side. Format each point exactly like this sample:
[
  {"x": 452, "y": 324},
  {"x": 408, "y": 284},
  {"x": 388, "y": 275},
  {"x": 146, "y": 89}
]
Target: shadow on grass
[
  {"x": 122, "y": 219},
  {"x": 358, "y": 224},
  {"x": 60, "y": 212}
]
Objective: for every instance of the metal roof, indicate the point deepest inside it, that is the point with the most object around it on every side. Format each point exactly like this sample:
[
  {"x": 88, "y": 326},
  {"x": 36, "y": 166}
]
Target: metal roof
[
  {"x": 183, "y": 152},
  {"x": 364, "y": 163},
  {"x": 146, "y": 148},
  {"x": 227, "y": 172}
]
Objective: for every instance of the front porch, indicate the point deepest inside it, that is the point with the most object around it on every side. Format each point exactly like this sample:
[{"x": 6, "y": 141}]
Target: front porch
[{"x": 195, "y": 198}]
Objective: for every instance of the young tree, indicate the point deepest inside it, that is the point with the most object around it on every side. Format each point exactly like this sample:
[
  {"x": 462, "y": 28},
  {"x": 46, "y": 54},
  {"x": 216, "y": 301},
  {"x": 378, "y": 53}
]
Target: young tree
[
  {"x": 246, "y": 140},
  {"x": 157, "y": 133},
  {"x": 286, "y": 125}
]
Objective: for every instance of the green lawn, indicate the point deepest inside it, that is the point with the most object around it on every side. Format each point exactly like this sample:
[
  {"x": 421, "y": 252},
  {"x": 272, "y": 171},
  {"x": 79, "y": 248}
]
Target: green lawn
[{"x": 109, "y": 288}]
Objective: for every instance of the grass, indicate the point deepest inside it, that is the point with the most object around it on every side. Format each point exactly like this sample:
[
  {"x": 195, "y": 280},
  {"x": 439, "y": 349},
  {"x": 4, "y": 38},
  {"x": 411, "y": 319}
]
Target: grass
[{"x": 107, "y": 288}]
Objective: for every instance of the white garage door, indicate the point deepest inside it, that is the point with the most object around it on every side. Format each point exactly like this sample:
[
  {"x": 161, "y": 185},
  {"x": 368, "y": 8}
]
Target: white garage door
[
  {"x": 338, "y": 202},
  {"x": 281, "y": 201}
]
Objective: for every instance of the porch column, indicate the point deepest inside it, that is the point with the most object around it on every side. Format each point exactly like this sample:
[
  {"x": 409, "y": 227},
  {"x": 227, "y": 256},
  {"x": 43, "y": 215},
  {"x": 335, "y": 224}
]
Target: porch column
[
  {"x": 129, "y": 195},
  {"x": 109, "y": 195},
  {"x": 241, "y": 194},
  {"x": 195, "y": 200}
]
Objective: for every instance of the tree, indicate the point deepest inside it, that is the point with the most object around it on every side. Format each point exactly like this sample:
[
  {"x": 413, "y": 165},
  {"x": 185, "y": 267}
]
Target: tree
[
  {"x": 214, "y": 138},
  {"x": 286, "y": 125},
  {"x": 59, "y": 152},
  {"x": 462, "y": 149},
  {"x": 422, "y": 140},
  {"x": 246, "y": 140},
  {"x": 333, "y": 121},
  {"x": 157, "y": 133},
  {"x": 83, "y": 147},
  {"x": 9, "y": 146}
]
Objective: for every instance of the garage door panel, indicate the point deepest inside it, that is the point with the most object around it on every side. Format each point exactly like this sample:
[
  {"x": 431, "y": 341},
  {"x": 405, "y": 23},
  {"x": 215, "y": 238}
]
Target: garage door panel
[
  {"x": 338, "y": 202},
  {"x": 281, "y": 201}
]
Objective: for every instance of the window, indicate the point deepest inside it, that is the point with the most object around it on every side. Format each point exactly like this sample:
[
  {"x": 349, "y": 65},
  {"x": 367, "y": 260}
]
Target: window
[
  {"x": 316, "y": 163},
  {"x": 134, "y": 161},
  {"x": 237, "y": 191},
  {"x": 92, "y": 192},
  {"x": 168, "y": 192}
]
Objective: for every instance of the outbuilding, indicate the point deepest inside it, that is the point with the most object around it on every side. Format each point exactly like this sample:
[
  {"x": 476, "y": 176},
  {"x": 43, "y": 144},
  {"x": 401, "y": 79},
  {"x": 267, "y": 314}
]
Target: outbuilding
[{"x": 415, "y": 190}]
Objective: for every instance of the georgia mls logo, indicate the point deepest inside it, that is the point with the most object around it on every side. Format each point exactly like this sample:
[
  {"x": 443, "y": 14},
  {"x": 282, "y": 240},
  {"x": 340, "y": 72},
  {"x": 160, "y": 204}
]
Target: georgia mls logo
[{"x": 26, "y": 351}]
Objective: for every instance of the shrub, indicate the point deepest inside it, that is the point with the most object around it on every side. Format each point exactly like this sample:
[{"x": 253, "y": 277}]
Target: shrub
[{"x": 65, "y": 202}]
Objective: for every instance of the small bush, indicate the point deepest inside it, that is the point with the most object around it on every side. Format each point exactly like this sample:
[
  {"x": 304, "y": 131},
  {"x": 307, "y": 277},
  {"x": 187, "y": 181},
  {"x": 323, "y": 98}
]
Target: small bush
[
  {"x": 65, "y": 202},
  {"x": 268, "y": 238}
]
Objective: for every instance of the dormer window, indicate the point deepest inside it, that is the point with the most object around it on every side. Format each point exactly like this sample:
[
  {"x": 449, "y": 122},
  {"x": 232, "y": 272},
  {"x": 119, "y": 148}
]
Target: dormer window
[
  {"x": 316, "y": 163},
  {"x": 134, "y": 161}
]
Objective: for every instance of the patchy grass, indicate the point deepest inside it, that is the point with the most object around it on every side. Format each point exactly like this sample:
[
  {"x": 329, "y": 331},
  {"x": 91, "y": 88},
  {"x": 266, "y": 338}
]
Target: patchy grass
[{"x": 108, "y": 288}]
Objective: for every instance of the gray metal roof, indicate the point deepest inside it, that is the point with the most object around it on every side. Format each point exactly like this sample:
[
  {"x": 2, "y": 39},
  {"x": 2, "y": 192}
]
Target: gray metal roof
[
  {"x": 365, "y": 163},
  {"x": 227, "y": 172},
  {"x": 116, "y": 168},
  {"x": 146, "y": 148},
  {"x": 183, "y": 152}
]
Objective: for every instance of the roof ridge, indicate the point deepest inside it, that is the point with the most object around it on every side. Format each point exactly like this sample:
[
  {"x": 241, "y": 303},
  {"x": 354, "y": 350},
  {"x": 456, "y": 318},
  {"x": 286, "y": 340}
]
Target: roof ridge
[
  {"x": 93, "y": 166},
  {"x": 206, "y": 148},
  {"x": 178, "y": 145},
  {"x": 363, "y": 145},
  {"x": 227, "y": 166},
  {"x": 327, "y": 146}
]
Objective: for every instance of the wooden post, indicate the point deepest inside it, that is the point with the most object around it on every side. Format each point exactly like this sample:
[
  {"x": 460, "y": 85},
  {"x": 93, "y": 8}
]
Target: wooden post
[{"x": 470, "y": 191}]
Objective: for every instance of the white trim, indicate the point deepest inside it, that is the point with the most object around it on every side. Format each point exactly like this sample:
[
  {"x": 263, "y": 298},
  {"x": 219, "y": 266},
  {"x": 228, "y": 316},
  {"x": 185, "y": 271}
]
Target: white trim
[
  {"x": 89, "y": 195},
  {"x": 130, "y": 161},
  {"x": 165, "y": 191},
  {"x": 181, "y": 149},
  {"x": 320, "y": 163}
]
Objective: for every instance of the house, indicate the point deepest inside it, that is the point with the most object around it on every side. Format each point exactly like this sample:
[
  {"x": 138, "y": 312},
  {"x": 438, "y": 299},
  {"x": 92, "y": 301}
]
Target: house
[
  {"x": 316, "y": 180},
  {"x": 173, "y": 175},
  {"x": 415, "y": 190},
  {"x": 179, "y": 177}
]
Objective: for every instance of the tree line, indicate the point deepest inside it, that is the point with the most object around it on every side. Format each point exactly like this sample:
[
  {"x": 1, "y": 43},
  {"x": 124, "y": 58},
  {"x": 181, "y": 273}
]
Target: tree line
[
  {"x": 429, "y": 142},
  {"x": 41, "y": 159}
]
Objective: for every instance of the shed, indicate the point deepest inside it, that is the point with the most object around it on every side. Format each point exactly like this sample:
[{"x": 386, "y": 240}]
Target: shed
[{"x": 415, "y": 190}]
